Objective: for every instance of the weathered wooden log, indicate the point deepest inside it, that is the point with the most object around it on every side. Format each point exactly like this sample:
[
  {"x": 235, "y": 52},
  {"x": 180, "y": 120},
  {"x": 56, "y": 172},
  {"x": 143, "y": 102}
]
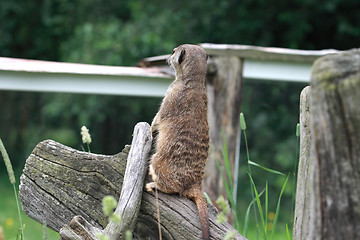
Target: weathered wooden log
[
  {"x": 59, "y": 183},
  {"x": 335, "y": 133},
  {"x": 130, "y": 197},
  {"x": 224, "y": 82},
  {"x": 131, "y": 192},
  {"x": 303, "y": 197}
]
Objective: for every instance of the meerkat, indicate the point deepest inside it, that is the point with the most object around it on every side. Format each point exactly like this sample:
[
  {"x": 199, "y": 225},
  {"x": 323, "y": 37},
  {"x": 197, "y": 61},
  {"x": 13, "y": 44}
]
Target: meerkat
[{"x": 182, "y": 141}]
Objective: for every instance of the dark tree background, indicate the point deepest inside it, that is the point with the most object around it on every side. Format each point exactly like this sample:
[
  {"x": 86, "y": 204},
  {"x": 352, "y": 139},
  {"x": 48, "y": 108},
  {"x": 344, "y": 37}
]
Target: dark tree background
[{"x": 121, "y": 32}]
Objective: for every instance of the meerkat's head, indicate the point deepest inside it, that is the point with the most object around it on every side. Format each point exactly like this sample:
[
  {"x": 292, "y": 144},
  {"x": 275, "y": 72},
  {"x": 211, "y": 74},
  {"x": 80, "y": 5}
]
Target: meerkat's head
[{"x": 188, "y": 59}]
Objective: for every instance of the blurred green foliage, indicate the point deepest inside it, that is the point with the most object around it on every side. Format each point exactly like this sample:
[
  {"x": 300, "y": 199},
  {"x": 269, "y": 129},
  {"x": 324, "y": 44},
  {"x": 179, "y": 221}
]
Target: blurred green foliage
[
  {"x": 9, "y": 219},
  {"x": 121, "y": 32},
  {"x": 28, "y": 118}
]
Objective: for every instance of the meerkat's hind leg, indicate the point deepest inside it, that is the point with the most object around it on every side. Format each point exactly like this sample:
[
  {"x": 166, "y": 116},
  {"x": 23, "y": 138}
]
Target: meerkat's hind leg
[
  {"x": 152, "y": 173},
  {"x": 151, "y": 186}
]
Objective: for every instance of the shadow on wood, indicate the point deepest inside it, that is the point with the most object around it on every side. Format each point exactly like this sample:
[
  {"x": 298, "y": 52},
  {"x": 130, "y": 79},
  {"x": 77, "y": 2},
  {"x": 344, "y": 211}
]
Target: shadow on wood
[{"x": 59, "y": 183}]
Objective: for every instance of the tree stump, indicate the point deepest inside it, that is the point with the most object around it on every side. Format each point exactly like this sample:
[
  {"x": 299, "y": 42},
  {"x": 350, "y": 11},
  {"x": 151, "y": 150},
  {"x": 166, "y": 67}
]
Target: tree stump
[
  {"x": 65, "y": 187},
  {"x": 335, "y": 133}
]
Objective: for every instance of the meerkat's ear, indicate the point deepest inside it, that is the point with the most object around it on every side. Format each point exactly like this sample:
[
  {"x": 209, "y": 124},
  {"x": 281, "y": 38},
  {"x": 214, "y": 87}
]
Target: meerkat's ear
[{"x": 181, "y": 57}]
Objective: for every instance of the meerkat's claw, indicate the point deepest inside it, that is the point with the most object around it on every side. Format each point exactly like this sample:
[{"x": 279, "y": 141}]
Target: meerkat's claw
[{"x": 150, "y": 186}]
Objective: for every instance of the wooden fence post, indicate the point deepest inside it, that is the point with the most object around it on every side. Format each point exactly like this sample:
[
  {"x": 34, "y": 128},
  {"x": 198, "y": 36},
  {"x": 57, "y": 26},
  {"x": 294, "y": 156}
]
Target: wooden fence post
[
  {"x": 334, "y": 211},
  {"x": 223, "y": 84}
]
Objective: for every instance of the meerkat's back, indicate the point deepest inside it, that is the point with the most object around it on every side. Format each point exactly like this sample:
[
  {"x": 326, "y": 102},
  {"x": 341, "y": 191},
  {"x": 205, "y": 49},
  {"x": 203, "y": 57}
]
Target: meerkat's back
[{"x": 182, "y": 142}]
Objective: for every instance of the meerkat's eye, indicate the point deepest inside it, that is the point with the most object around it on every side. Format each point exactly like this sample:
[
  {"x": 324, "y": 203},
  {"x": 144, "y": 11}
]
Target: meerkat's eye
[{"x": 173, "y": 51}]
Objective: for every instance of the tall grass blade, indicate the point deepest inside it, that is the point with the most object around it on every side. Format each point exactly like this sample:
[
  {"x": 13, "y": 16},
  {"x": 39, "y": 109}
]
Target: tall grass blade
[
  {"x": 227, "y": 164},
  {"x": 242, "y": 122},
  {"x": 246, "y": 223},
  {"x": 11, "y": 174},
  {"x": 7, "y": 163},
  {"x": 259, "y": 206},
  {"x": 208, "y": 200},
  {"x": 247, "y": 215},
  {"x": 243, "y": 128},
  {"x": 287, "y": 232},
  {"x": 18, "y": 208},
  {"x": 246, "y": 146},
  {"x": 278, "y": 207},
  {"x": 265, "y": 168},
  {"x": 18, "y": 235},
  {"x": 228, "y": 191},
  {"x": 266, "y": 206}
]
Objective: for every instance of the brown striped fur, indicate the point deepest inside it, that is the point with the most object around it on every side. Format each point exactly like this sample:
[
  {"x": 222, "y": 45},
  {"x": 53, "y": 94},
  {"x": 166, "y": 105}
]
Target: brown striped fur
[{"x": 182, "y": 141}]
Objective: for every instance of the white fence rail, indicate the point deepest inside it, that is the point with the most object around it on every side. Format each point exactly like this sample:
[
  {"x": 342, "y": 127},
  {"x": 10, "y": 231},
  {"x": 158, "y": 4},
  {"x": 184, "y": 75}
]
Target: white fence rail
[{"x": 43, "y": 76}]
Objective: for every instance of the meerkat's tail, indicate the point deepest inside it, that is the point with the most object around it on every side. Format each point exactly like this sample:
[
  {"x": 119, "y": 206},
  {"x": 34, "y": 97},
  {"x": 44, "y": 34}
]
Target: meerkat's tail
[{"x": 198, "y": 197}]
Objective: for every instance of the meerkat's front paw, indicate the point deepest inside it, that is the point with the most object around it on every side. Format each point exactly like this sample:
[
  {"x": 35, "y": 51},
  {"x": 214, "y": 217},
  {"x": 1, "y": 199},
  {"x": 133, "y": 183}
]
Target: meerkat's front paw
[{"x": 150, "y": 186}]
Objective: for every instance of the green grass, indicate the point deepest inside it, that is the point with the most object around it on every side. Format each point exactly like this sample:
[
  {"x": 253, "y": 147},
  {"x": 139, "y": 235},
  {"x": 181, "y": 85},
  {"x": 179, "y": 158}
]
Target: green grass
[
  {"x": 261, "y": 226},
  {"x": 279, "y": 234},
  {"x": 9, "y": 219}
]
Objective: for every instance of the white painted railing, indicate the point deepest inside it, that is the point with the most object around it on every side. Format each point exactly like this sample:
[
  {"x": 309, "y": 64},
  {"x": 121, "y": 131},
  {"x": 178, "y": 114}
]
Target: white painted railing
[{"x": 43, "y": 76}]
